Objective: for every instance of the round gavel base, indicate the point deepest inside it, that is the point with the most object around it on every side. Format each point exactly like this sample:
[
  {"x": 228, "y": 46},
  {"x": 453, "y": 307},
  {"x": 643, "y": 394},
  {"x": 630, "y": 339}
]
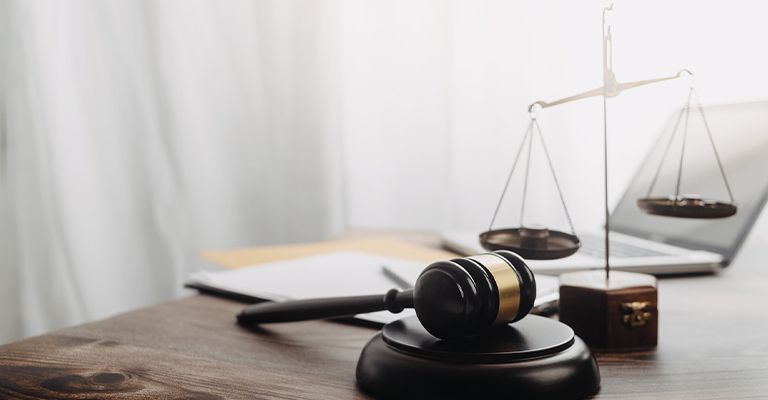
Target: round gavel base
[{"x": 534, "y": 358}]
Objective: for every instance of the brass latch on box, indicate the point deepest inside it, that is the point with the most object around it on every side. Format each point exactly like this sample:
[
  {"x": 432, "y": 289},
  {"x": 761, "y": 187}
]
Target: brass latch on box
[{"x": 636, "y": 313}]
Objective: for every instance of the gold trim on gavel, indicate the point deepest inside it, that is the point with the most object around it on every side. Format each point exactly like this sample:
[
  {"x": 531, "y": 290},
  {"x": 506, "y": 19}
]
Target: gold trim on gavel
[{"x": 507, "y": 282}]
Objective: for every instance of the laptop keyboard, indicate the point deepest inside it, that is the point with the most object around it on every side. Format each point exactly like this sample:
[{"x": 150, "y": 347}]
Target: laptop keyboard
[{"x": 594, "y": 246}]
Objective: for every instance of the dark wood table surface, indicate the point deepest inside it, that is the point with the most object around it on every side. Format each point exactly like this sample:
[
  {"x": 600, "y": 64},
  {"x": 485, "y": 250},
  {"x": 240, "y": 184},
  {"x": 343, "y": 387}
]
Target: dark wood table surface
[{"x": 713, "y": 344}]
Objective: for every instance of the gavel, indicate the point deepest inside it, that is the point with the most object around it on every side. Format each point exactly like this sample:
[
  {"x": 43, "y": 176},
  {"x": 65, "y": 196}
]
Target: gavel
[{"x": 463, "y": 297}]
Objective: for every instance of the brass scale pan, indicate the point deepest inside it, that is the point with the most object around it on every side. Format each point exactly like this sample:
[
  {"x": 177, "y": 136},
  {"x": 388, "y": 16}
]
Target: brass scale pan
[
  {"x": 531, "y": 242},
  {"x": 686, "y": 207},
  {"x": 534, "y": 243}
]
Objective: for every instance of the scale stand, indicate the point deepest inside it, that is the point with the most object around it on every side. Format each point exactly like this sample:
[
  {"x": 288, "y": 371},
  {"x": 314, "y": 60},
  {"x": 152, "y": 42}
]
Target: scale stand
[{"x": 609, "y": 311}]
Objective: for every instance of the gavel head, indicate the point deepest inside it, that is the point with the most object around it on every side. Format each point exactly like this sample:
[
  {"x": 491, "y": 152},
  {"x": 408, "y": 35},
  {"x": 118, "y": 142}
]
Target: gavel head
[{"x": 467, "y": 296}]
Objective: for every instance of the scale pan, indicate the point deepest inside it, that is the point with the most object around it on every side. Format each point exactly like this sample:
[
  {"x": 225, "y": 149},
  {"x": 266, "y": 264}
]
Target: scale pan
[
  {"x": 686, "y": 206},
  {"x": 531, "y": 243}
]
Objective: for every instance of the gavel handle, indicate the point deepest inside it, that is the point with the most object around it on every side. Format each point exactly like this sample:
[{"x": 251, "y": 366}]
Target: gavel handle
[{"x": 325, "y": 308}]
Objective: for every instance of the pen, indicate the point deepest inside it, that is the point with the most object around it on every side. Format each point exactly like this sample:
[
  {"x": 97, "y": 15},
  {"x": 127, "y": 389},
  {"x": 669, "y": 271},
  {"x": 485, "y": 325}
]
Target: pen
[{"x": 395, "y": 278}]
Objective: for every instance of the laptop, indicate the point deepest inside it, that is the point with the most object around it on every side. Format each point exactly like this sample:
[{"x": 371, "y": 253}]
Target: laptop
[{"x": 664, "y": 245}]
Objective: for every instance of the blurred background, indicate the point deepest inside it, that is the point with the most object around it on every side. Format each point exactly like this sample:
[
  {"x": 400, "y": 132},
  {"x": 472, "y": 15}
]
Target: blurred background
[{"x": 134, "y": 134}]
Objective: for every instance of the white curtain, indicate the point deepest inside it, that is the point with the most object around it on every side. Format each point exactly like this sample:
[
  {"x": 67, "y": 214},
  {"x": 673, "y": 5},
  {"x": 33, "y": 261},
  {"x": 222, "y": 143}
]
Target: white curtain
[
  {"x": 134, "y": 134},
  {"x": 137, "y": 133}
]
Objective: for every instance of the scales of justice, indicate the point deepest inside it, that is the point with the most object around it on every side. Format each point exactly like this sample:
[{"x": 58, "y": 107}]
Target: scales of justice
[{"x": 586, "y": 298}]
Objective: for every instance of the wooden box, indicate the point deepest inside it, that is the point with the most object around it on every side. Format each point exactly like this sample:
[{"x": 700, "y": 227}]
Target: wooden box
[{"x": 620, "y": 314}]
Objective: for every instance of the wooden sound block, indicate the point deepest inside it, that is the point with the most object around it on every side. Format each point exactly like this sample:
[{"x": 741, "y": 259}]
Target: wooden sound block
[
  {"x": 535, "y": 357},
  {"x": 620, "y": 314}
]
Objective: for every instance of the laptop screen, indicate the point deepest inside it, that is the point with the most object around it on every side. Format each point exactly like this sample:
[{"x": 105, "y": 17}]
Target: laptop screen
[{"x": 740, "y": 132}]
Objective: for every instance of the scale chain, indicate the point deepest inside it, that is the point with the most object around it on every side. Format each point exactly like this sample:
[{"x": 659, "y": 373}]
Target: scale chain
[
  {"x": 511, "y": 172},
  {"x": 714, "y": 148},
  {"x": 682, "y": 150},
  {"x": 666, "y": 152},
  {"x": 554, "y": 176},
  {"x": 527, "y": 171}
]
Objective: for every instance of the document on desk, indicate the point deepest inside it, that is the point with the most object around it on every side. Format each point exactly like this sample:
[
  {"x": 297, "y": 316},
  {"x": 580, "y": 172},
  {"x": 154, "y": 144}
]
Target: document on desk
[{"x": 345, "y": 273}]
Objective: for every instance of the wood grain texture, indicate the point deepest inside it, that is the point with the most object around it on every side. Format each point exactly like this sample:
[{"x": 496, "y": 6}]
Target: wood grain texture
[
  {"x": 712, "y": 344},
  {"x": 596, "y": 314},
  {"x": 185, "y": 349}
]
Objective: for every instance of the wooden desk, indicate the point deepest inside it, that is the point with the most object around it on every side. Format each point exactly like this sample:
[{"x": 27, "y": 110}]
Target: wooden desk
[{"x": 713, "y": 344}]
